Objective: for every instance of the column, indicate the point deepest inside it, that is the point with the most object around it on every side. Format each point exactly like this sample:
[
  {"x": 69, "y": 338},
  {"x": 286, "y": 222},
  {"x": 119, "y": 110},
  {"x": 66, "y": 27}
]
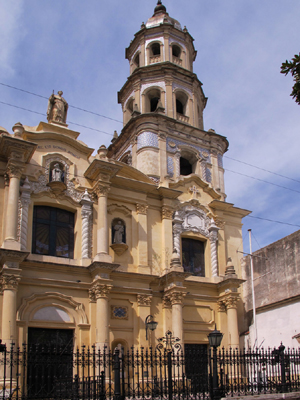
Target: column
[
  {"x": 11, "y": 235},
  {"x": 25, "y": 202},
  {"x": 213, "y": 238},
  {"x": 9, "y": 285},
  {"x": 232, "y": 321},
  {"x": 102, "y": 227},
  {"x": 169, "y": 94},
  {"x": 167, "y": 245},
  {"x": 177, "y": 229},
  {"x": 144, "y": 309},
  {"x": 176, "y": 299},
  {"x": 86, "y": 214},
  {"x": 177, "y": 164},
  {"x": 162, "y": 143},
  {"x": 141, "y": 210},
  {"x": 99, "y": 294},
  {"x": 167, "y": 48}
]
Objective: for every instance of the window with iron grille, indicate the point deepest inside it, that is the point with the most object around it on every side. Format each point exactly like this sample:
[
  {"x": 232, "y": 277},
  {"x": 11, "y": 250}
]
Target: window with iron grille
[{"x": 53, "y": 232}]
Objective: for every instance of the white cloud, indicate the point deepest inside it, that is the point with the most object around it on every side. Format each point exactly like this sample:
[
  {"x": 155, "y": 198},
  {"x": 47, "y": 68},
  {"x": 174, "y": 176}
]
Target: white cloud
[{"x": 11, "y": 31}]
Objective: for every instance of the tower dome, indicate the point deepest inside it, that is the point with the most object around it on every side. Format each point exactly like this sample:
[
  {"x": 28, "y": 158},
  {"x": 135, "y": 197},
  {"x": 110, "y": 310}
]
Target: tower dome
[{"x": 161, "y": 16}]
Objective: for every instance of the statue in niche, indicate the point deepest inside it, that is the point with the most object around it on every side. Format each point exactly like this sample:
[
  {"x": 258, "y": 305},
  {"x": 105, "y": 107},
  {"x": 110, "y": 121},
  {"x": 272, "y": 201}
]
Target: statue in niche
[
  {"x": 57, "y": 174},
  {"x": 118, "y": 232},
  {"x": 57, "y": 108}
]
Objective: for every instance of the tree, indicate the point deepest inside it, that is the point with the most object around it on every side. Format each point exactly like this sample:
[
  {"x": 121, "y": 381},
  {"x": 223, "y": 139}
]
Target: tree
[{"x": 293, "y": 67}]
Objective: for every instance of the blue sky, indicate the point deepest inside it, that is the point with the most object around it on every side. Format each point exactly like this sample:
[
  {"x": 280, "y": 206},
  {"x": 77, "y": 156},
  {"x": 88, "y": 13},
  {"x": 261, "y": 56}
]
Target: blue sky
[{"x": 79, "y": 47}]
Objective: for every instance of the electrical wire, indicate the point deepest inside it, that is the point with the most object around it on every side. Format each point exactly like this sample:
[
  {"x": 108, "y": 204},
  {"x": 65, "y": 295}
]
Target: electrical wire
[
  {"x": 70, "y": 105},
  {"x": 272, "y": 220},
  {"x": 262, "y": 180},
  {"x": 262, "y": 169},
  {"x": 69, "y": 122}
]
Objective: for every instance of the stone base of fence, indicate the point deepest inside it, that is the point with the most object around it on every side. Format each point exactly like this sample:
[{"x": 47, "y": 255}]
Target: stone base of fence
[{"x": 272, "y": 396}]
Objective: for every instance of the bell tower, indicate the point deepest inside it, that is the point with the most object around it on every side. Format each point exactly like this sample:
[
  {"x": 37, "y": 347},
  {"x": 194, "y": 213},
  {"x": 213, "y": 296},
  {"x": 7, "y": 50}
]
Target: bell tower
[{"x": 162, "y": 103}]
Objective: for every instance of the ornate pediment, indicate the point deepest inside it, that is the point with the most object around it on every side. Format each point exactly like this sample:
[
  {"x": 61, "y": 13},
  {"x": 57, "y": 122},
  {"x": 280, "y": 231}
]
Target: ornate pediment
[{"x": 192, "y": 219}]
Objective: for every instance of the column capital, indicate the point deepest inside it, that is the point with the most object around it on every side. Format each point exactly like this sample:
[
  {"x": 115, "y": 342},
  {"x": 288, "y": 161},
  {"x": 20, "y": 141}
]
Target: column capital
[
  {"x": 99, "y": 291},
  {"x": 177, "y": 297},
  {"x": 14, "y": 169},
  {"x": 101, "y": 190},
  {"x": 141, "y": 208},
  {"x": 166, "y": 301},
  {"x": 9, "y": 282},
  {"x": 231, "y": 301},
  {"x": 221, "y": 306},
  {"x": 144, "y": 300},
  {"x": 167, "y": 212}
]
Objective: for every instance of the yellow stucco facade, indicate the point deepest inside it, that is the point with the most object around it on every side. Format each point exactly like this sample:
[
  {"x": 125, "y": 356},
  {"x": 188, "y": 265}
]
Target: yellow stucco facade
[{"x": 95, "y": 244}]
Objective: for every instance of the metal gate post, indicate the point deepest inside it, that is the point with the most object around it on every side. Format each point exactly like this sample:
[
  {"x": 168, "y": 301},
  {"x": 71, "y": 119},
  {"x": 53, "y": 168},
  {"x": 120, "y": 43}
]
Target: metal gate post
[
  {"x": 170, "y": 385},
  {"x": 117, "y": 395},
  {"x": 282, "y": 367}
]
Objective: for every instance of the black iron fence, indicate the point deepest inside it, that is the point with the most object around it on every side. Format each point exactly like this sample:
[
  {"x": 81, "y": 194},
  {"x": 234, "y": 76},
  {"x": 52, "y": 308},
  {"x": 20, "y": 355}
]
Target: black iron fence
[{"x": 40, "y": 372}]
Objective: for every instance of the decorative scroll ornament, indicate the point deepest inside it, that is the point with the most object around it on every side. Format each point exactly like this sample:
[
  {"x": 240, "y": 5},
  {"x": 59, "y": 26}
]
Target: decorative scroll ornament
[
  {"x": 9, "y": 282},
  {"x": 144, "y": 299},
  {"x": 189, "y": 219}
]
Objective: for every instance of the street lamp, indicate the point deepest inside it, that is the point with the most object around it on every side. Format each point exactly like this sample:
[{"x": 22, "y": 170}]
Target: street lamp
[
  {"x": 150, "y": 324},
  {"x": 215, "y": 338}
]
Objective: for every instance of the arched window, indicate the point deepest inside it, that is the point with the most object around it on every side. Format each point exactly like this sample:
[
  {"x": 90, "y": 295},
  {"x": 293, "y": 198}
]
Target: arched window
[
  {"x": 53, "y": 232},
  {"x": 193, "y": 256},
  {"x": 179, "y": 107},
  {"x": 152, "y": 99},
  {"x": 118, "y": 230},
  {"x": 176, "y": 51},
  {"x": 129, "y": 106},
  {"x": 155, "y": 49},
  {"x": 136, "y": 60},
  {"x": 181, "y": 102},
  {"x": 126, "y": 159},
  {"x": 186, "y": 167},
  {"x": 188, "y": 162}
]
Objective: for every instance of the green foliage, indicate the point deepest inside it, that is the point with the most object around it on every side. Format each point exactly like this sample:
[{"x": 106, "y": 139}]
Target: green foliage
[{"x": 293, "y": 67}]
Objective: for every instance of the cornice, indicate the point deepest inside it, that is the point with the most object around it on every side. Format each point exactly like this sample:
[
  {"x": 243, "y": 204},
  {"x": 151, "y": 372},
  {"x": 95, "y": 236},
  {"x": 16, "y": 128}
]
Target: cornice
[
  {"x": 16, "y": 148},
  {"x": 101, "y": 169},
  {"x": 60, "y": 134},
  {"x": 161, "y": 123},
  {"x": 228, "y": 208},
  {"x": 163, "y": 70}
]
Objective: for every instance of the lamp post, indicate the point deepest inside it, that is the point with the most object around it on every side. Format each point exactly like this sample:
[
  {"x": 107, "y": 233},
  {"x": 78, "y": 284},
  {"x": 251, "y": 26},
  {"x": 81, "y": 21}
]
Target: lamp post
[
  {"x": 215, "y": 339},
  {"x": 150, "y": 324}
]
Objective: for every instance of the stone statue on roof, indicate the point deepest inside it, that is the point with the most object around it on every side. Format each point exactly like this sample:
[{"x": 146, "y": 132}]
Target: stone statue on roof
[{"x": 57, "y": 108}]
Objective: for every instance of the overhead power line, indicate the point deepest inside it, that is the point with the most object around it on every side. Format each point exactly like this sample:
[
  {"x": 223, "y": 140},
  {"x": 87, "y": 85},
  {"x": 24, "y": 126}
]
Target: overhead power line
[
  {"x": 262, "y": 169},
  {"x": 69, "y": 122},
  {"x": 272, "y": 220},
  {"x": 70, "y": 105},
  {"x": 262, "y": 180}
]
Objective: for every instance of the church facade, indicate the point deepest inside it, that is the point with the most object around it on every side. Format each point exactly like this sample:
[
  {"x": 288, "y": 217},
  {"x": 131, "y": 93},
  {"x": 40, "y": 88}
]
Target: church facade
[{"x": 94, "y": 247}]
